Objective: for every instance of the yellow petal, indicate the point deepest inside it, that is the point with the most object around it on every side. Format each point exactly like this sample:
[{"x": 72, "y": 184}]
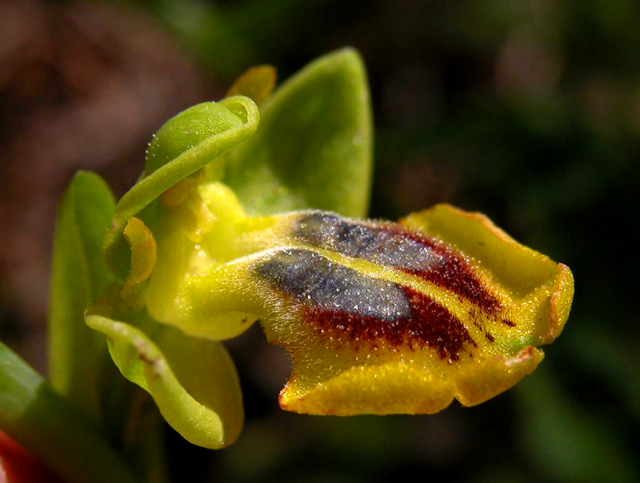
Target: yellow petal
[
  {"x": 404, "y": 387},
  {"x": 143, "y": 259},
  {"x": 257, "y": 84},
  {"x": 530, "y": 280}
]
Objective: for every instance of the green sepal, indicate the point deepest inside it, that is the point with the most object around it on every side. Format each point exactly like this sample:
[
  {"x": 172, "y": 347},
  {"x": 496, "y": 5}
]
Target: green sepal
[
  {"x": 52, "y": 429},
  {"x": 192, "y": 157},
  {"x": 193, "y": 381},
  {"x": 186, "y": 130},
  {"x": 79, "y": 275},
  {"x": 313, "y": 148}
]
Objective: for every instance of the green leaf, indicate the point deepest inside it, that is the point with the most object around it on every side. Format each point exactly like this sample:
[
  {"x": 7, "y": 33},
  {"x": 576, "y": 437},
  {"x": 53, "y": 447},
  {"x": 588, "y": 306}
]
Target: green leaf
[
  {"x": 79, "y": 275},
  {"x": 193, "y": 381},
  {"x": 313, "y": 146},
  {"x": 51, "y": 429},
  {"x": 215, "y": 133}
]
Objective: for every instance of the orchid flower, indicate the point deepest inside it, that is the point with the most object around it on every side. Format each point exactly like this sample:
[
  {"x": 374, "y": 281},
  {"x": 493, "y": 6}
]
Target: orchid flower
[{"x": 251, "y": 209}]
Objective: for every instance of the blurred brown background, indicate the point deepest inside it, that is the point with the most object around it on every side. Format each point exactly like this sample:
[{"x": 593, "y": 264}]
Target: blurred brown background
[{"x": 526, "y": 110}]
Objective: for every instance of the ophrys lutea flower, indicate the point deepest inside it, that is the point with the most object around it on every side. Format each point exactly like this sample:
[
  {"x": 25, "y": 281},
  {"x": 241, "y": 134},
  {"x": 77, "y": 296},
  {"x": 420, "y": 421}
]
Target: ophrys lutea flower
[{"x": 235, "y": 222}]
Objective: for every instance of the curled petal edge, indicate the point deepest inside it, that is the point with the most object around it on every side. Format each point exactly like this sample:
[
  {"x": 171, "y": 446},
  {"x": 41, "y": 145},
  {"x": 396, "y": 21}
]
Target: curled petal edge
[
  {"x": 403, "y": 389},
  {"x": 518, "y": 269}
]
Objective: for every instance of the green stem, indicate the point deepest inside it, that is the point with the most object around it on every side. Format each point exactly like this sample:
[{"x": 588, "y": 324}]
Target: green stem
[
  {"x": 147, "y": 439},
  {"x": 137, "y": 429},
  {"x": 51, "y": 429}
]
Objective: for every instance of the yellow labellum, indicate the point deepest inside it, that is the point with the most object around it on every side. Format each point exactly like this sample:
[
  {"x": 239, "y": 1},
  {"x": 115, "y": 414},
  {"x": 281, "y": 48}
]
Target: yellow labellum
[{"x": 377, "y": 317}]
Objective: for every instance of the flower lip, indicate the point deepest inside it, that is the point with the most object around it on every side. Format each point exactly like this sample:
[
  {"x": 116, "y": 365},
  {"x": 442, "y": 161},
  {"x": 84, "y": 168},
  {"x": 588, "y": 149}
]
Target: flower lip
[
  {"x": 430, "y": 325},
  {"x": 389, "y": 245},
  {"x": 314, "y": 280},
  {"x": 377, "y": 244},
  {"x": 345, "y": 305}
]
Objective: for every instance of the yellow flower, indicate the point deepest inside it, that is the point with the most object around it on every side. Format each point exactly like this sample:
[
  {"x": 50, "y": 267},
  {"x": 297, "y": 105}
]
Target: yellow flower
[{"x": 377, "y": 317}]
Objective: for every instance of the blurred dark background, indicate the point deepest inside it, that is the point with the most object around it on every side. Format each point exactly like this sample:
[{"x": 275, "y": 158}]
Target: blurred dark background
[{"x": 526, "y": 110}]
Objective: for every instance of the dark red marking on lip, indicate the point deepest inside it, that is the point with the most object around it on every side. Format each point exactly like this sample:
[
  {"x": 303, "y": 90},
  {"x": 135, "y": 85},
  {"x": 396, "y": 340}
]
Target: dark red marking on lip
[
  {"x": 430, "y": 325},
  {"x": 453, "y": 274},
  {"x": 508, "y": 323},
  {"x": 400, "y": 248},
  {"x": 482, "y": 329}
]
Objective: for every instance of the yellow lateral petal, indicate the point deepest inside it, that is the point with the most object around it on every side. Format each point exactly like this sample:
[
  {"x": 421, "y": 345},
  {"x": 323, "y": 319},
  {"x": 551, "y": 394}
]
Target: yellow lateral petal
[
  {"x": 143, "y": 259},
  {"x": 257, "y": 84}
]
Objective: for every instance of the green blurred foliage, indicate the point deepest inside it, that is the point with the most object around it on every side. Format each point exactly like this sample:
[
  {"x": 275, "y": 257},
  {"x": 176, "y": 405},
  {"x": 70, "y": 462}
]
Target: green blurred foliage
[{"x": 77, "y": 278}]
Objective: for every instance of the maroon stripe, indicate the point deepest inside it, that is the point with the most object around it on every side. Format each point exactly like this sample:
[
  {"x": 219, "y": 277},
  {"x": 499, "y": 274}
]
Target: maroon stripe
[
  {"x": 454, "y": 274},
  {"x": 395, "y": 246},
  {"x": 430, "y": 325}
]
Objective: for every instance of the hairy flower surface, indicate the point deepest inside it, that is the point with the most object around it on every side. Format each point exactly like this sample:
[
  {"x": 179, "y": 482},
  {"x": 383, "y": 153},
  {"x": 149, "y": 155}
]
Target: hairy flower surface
[
  {"x": 378, "y": 317},
  {"x": 235, "y": 222}
]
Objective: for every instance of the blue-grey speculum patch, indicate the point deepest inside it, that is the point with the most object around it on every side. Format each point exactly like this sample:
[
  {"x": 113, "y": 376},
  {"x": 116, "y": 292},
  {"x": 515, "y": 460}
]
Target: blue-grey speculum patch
[
  {"x": 375, "y": 244},
  {"x": 314, "y": 279}
]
